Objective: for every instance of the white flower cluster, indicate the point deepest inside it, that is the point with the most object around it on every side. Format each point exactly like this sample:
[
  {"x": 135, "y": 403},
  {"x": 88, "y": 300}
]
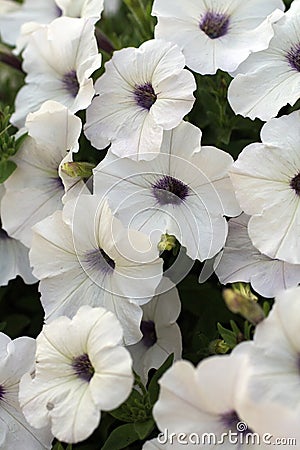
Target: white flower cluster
[
  {"x": 93, "y": 245},
  {"x": 256, "y": 403}
]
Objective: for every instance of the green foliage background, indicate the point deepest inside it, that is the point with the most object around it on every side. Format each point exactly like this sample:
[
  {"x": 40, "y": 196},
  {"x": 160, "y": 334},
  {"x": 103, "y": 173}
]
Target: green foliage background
[{"x": 207, "y": 326}]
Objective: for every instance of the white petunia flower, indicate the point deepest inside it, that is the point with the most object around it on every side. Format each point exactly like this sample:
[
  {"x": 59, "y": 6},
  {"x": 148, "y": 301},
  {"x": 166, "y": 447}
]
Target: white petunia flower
[
  {"x": 185, "y": 191},
  {"x": 7, "y": 6},
  {"x": 143, "y": 92},
  {"x": 17, "y": 358},
  {"x": 81, "y": 368},
  {"x": 266, "y": 178},
  {"x": 11, "y": 21},
  {"x": 161, "y": 334},
  {"x": 216, "y": 34},
  {"x": 203, "y": 404},
  {"x": 18, "y": 20},
  {"x": 81, "y": 8},
  {"x": 270, "y": 79},
  {"x": 69, "y": 8},
  {"x": 59, "y": 60},
  {"x": 35, "y": 189},
  {"x": 241, "y": 261},
  {"x": 14, "y": 258},
  {"x": 85, "y": 256},
  {"x": 270, "y": 392}
]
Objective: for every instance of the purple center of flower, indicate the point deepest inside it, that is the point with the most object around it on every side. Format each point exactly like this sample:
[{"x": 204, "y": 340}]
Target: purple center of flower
[
  {"x": 214, "y": 25},
  {"x": 3, "y": 234},
  {"x": 99, "y": 260},
  {"x": 231, "y": 421},
  {"x": 2, "y": 392},
  {"x": 107, "y": 259},
  {"x": 145, "y": 96},
  {"x": 83, "y": 368},
  {"x": 170, "y": 190},
  {"x": 58, "y": 11},
  {"x": 149, "y": 333},
  {"x": 293, "y": 57},
  {"x": 70, "y": 82},
  {"x": 295, "y": 184},
  {"x": 56, "y": 182}
]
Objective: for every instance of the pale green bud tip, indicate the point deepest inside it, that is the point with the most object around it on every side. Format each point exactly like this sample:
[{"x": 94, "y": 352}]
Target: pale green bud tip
[
  {"x": 245, "y": 290},
  {"x": 78, "y": 169},
  {"x": 218, "y": 347},
  {"x": 167, "y": 242},
  {"x": 245, "y": 305}
]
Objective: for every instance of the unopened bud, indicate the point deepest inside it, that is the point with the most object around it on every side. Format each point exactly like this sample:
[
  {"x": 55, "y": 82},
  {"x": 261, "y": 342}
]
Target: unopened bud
[
  {"x": 218, "y": 347},
  {"x": 167, "y": 242},
  {"x": 245, "y": 290},
  {"x": 78, "y": 169},
  {"x": 240, "y": 300}
]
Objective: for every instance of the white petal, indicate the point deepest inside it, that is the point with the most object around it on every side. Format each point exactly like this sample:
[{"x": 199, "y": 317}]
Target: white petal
[
  {"x": 16, "y": 261},
  {"x": 262, "y": 93},
  {"x": 64, "y": 126},
  {"x": 241, "y": 261},
  {"x": 283, "y": 242},
  {"x": 50, "y": 54},
  {"x": 52, "y": 242},
  {"x": 268, "y": 180},
  {"x": 113, "y": 380},
  {"x": 32, "y": 206},
  {"x": 146, "y": 140}
]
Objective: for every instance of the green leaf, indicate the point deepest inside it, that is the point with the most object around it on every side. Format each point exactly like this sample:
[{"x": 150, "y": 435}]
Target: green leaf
[
  {"x": 132, "y": 410},
  {"x": 58, "y": 446},
  {"x": 228, "y": 336},
  {"x": 143, "y": 21},
  {"x": 121, "y": 437},
  {"x": 235, "y": 328},
  {"x": 6, "y": 169},
  {"x": 20, "y": 141},
  {"x": 266, "y": 308},
  {"x": 247, "y": 330},
  {"x": 204, "y": 301},
  {"x": 153, "y": 388},
  {"x": 143, "y": 429}
]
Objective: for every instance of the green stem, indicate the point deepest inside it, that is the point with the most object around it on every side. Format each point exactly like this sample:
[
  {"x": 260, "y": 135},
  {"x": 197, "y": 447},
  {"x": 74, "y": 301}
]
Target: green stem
[
  {"x": 137, "y": 9},
  {"x": 5, "y": 129},
  {"x": 139, "y": 383},
  {"x": 12, "y": 61},
  {"x": 103, "y": 42}
]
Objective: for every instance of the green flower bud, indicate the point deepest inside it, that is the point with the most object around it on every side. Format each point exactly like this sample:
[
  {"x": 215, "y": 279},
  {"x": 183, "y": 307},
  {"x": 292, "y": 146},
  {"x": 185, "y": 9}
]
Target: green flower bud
[
  {"x": 78, "y": 169},
  {"x": 240, "y": 300},
  {"x": 167, "y": 242}
]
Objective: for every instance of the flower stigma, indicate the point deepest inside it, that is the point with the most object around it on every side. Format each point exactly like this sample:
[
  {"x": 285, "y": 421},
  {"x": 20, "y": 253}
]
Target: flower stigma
[
  {"x": 170, "y": 190},
  {"x": 149, "y": 335},
  {"x": 145, "y": 96},
  {"x": 70, "y": 82},
  {"x": 214, "y": 25},
  {"x": 83, "y": 368}
]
